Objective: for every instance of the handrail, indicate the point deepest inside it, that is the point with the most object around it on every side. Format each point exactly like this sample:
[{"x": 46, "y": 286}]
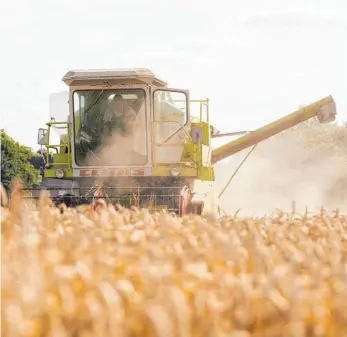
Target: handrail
[
  {"x": 56, "y": 123},
  {"x": 202, "y": 103}
]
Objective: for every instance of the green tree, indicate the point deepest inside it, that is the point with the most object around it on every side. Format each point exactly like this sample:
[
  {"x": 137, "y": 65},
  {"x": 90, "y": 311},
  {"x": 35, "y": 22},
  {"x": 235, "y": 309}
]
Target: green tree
[{"x": 15, "y": 162}]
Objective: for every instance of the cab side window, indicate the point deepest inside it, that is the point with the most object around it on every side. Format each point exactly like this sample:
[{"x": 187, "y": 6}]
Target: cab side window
[{"x": 170, "y": 113}]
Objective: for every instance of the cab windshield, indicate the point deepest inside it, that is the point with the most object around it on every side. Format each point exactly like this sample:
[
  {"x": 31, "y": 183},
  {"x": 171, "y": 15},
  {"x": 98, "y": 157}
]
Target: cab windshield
[{"x": 110, "y": 127}]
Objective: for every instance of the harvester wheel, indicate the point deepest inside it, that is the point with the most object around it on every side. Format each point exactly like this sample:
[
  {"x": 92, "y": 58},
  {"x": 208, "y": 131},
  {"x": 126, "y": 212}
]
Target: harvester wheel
[
  {"x": 65, "y": 199},
  {"x": 69, "y": 200}
]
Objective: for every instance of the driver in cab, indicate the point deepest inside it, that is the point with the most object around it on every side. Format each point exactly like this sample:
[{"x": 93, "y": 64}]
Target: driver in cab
[
  {"x": 119, "y": 120},
  {"x": 119, "y": 115}
]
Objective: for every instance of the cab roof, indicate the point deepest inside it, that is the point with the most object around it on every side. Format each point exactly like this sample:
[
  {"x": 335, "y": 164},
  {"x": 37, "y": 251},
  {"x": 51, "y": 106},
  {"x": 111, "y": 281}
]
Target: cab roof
[{"x": 123, "y": 75}]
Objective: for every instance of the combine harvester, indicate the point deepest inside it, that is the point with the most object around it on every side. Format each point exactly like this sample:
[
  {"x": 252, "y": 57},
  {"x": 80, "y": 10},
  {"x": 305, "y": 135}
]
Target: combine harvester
[{"x": 132, "y": 140}]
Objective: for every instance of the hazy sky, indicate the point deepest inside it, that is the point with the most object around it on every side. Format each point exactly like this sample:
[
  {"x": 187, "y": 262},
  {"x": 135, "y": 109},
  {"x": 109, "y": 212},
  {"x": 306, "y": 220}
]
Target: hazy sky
[{"x": 255, "y": 60}]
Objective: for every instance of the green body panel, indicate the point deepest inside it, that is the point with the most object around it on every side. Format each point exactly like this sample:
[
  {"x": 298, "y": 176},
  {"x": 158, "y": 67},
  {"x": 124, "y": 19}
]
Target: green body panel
[
  {"x": 189, "y": 153},
  {"x": 205, "y": 132},
  {"x": 206, "y": 173},
  {"x": 50, "y": 173},
  {"x": 61, "y": 160}
]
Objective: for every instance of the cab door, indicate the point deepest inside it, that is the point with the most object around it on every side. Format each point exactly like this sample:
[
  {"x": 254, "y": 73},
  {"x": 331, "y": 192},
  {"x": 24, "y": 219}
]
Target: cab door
[{"x": 171, "y": 116}]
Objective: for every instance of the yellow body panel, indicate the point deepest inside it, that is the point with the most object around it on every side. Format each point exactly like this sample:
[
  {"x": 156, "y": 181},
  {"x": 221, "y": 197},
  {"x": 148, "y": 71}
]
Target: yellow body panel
[
  {"x": 189, "y": 153},
  {"x": 205, "y": 132},
  {"x": 61, "y": 159},
  {"x": 50, "y": 173}
]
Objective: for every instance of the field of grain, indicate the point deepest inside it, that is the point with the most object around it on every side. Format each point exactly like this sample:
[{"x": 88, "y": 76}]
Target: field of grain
[
  {"x": 82, "y": 273},
  {"x": 128, "y": 273}
]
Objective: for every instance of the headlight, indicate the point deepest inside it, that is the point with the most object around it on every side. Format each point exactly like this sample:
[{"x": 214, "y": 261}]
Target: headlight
[
  {"x": 59, "y": 173},
  {"x": 175, "y": 172}
]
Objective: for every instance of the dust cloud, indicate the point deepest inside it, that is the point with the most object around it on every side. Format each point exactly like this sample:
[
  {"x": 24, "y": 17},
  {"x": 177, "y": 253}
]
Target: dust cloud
[
  {"x": 306, "y": 165},
  {"x": 118, "y": 150},
  {"x": 124, "y": 146},
  {"x": 121, "y": 149}
]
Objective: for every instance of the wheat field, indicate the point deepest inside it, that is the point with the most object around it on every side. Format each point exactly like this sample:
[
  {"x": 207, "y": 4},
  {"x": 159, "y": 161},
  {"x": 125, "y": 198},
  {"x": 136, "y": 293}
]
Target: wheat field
[
  {"x": 79, "y": 272},
  {"x": 107, "y": 272}
]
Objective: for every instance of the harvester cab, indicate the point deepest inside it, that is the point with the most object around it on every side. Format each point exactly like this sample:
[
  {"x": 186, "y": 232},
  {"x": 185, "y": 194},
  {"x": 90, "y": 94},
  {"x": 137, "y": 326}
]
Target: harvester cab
[{"x": 128, "y": 132}]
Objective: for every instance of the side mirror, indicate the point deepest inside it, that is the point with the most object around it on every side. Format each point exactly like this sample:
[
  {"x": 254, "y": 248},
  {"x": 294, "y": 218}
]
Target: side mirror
[{"x": 42, "y": 137}]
